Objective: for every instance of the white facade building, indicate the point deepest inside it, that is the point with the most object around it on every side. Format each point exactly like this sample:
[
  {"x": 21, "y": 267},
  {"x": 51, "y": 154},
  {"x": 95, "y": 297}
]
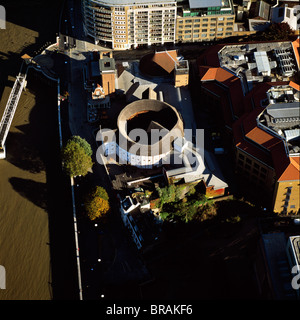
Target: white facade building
[
  {"x": 289, "y": 14},
  {"x": 128, "y": 24}
]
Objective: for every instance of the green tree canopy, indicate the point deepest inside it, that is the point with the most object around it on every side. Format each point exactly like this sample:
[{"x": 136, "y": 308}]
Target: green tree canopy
[
  {"x": 84, "y": 144},
  {"x": 96, "y": 203},
  {"x": 75, "y": 160},
  {"x": 99, "y": 192}
]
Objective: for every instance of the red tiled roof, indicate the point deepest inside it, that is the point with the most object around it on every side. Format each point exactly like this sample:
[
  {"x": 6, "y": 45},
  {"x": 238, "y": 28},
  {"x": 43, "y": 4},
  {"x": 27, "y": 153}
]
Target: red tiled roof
[
  {"x": 297, "y": 50},
  {"x": 286, "y": 168},
  {"x": 294, "y": 85},
  {"x": 207, "y": 73},
  {"x": 166, "y": 59},
  {"x": 256, "y": 134},
  {"x": 246, "y": 145},
  {"x": 231, "y": 81}
]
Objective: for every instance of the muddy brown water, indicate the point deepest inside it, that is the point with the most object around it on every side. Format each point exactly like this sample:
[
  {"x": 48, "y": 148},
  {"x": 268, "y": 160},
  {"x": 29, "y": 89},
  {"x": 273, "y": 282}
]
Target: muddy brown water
[{"x": 24, "y": 216}]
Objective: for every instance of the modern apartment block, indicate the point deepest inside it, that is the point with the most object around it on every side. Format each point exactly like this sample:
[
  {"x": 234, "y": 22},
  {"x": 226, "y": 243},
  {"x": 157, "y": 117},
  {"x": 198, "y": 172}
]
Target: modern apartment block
[
  {"x": 127, "y": 24},
  {"x": 204, "y": 20}
]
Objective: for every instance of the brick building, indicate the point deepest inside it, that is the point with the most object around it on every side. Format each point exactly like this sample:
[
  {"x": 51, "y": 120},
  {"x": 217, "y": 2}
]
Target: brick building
[{"x": 253, "y": 88}]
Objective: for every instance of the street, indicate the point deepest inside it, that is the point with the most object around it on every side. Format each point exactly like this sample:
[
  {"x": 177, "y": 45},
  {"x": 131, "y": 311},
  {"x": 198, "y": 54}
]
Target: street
[{"x": 108, "y": 258}]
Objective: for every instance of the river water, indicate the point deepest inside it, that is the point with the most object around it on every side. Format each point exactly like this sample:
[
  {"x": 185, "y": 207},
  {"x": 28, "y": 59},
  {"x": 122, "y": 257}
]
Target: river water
[{"x": 24, "y": 224}]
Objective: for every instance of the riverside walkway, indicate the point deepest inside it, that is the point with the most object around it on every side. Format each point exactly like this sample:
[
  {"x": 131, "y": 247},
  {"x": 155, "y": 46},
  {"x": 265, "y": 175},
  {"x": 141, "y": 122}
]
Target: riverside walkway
[{"x": 10, "y": 110}]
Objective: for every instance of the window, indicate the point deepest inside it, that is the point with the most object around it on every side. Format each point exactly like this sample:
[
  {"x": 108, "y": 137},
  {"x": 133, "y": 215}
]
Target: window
[
  {"x": 255, "y": 165},
  {"x": 220, "y": 18},
  {"x": 196, "y": 30},
  {"x": 204, "y": 30},
  {"x": 196, "y": 25},
  {"x": 220, "y": 29},
  {"x": 196, "y": 35},
  {"x": 288, "y": 13},
  {"x": 248, "y": 161},
  {"x": 203, "y": 35},
  {"x": 197, "y": 20},
  {"x": 263, "y": 170},
  {"x": 187, "y": 31},
  {"x": 205, "y": 19},
  {"x": 241, "y": 156},
  {"x": 187, "y": 36},
  {"x": 188, "y": 26},
  {"x": 188, "y": 21},
  {"x": 247, "y": 167},
  {"x": 205, "y": 25},
  {"x": 180, "y": 21}
]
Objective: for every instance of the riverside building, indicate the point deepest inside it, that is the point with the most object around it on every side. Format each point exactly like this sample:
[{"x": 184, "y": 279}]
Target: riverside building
[
  {"x": 122, "y": 24},
  {"x": 128, "y": 24},
  {"x": 204, "y": 20}
]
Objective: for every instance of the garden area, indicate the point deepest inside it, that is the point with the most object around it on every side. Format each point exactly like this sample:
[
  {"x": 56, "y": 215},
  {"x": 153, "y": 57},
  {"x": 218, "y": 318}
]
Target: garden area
[{"x": 186, "y": 203}]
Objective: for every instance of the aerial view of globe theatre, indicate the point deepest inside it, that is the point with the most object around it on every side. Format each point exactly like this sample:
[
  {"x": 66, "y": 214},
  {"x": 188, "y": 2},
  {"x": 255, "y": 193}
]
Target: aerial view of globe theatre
[{"x": 149, "y": 151}]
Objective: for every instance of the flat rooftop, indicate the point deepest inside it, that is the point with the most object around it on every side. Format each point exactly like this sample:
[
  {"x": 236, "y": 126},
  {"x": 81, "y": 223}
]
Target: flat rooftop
[
  {"x": 195, "y": 4},
  {"x": 259, "y": 62},
  {"x": 282, "y": 115}
]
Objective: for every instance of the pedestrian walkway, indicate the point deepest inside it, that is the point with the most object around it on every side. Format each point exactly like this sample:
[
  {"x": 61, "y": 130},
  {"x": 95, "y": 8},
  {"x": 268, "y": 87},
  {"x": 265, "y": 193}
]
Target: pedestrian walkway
[{"x": 10, "y": 110}]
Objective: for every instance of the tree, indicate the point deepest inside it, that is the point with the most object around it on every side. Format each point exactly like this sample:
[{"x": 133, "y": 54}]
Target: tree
[
  {"x": 96, "y": 208},
  {"x": 99, "y": 192},
  {"x": 96, "y": 203},
  {"x": 278, "y": 31},
  {"x": 84, "y": 144},
  {"x": 167, "y": 194},
  {"x": 75, "y": 160}
]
